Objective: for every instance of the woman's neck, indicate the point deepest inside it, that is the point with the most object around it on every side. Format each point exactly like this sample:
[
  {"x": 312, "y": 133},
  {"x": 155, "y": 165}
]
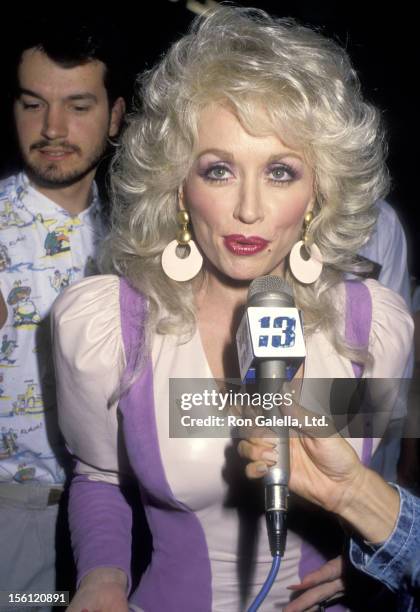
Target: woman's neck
[
  {"x": 219, "y": 309},
  {"x": 220, "y": 293}
]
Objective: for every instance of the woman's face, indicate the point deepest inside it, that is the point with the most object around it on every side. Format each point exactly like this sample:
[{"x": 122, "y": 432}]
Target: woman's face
[{"x": 246, "y": 196}]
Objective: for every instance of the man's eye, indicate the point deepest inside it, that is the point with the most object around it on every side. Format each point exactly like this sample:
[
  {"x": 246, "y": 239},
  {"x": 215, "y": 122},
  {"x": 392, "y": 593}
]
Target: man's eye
[
  {"x": 81, "y": 109},
  {"x": 31, "y": 105}
]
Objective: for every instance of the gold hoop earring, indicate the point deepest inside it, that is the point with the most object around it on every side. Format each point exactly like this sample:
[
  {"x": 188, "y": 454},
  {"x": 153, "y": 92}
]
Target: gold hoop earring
[
  {"x": 178, "y": 268},
  {"x": 306, "y": 270}
]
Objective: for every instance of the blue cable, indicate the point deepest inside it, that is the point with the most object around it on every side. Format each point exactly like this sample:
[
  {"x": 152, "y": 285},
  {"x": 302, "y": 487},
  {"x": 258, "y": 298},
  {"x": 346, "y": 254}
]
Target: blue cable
[{"x": 267, "y": 584}]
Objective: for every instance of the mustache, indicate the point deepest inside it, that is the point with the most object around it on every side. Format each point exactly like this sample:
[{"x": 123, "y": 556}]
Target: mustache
[{"x": 62, "y": 145}]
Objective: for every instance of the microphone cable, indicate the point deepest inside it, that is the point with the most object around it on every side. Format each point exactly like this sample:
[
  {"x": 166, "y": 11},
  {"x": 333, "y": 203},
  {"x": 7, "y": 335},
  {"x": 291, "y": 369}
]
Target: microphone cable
[
  {"x": 265, "y": 589},
  {"x": 275, "y": 514}
]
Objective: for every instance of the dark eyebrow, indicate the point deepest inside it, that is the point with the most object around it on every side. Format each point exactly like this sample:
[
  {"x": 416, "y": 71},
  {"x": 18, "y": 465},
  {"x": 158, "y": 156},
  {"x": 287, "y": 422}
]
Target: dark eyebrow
[
  {"x": 84, "y": 95},
  {"x": 28, "y": 92}
]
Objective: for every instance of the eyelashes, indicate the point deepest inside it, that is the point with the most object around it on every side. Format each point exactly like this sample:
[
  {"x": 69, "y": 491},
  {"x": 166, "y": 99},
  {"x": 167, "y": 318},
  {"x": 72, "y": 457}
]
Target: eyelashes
[
  {"x": 216, "y": 173},
  {"x": 282, "y": 173},
  {"x": 277, "y": 173}
]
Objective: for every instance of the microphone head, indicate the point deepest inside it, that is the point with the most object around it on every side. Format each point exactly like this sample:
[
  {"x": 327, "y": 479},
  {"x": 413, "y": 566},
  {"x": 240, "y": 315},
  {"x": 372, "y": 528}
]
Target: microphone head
[
  {"x": 271, "y": 328},
  {"x": 270, "y": 288}
]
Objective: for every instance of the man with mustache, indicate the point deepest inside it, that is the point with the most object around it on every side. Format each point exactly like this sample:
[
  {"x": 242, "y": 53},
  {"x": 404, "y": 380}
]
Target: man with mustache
[{"x": 67, "y": 104}]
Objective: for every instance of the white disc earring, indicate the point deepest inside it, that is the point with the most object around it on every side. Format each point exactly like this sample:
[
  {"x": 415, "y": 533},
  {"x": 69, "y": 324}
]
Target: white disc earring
[
  {"x": 178, "y": 268},
  {"x": 306, "y": 270}
]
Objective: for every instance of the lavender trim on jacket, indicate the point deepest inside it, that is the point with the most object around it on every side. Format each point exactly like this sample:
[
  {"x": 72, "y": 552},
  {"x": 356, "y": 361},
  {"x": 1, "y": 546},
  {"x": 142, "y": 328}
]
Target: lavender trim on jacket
[
  {"x": 179, "y": 575},
  {"x": 100, "y": 525}
]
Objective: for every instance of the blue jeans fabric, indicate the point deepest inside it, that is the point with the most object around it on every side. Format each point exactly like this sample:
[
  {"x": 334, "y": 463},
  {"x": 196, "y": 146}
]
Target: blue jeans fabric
[{"x": 396, "y": 562}]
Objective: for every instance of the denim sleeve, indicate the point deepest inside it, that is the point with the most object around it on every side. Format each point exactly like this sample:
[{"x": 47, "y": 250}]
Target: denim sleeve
[{"x": 396, "y": 562}]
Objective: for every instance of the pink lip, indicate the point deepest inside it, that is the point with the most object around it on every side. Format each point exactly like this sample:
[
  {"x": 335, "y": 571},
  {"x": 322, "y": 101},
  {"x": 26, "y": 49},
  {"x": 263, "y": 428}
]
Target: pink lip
[{"x": 245, "y": 245}]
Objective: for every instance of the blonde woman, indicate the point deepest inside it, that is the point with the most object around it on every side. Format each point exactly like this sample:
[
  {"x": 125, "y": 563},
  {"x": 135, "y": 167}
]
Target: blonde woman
[{"x": 251, "y": 133}]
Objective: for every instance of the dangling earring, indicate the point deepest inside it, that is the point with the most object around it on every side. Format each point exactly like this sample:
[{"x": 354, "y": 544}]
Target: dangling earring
[
  {"x": 175, "y": 267},
  {"x": 308, "y": 270}
]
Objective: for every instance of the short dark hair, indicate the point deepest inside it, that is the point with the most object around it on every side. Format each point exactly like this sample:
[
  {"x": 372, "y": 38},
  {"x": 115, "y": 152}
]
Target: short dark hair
[{"x": 72, "y": 41}]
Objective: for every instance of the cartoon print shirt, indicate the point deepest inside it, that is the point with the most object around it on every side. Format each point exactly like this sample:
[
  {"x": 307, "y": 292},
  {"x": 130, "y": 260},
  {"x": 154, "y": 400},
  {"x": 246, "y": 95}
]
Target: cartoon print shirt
[{"x": 43, "y": 249}]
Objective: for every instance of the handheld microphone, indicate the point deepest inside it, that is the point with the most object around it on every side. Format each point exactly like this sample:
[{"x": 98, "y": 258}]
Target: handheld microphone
[{"x": 270, "y": 336}]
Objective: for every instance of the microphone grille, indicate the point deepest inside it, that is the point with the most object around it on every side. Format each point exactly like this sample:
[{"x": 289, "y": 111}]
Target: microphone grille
[{"x": 268, "y": 284}]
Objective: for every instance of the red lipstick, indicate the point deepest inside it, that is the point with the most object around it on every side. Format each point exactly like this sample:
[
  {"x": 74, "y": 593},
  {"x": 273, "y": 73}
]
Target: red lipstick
[{"x": 244, "y": 245}]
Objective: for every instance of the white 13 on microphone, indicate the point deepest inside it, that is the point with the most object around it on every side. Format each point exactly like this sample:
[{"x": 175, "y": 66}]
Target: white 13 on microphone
[{"x": 269, "y": 333}]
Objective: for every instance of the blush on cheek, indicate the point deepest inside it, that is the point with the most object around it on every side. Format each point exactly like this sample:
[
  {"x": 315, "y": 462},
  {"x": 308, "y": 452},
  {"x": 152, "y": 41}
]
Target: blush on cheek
[
  {"x": 203, "y": 205},
  {"x": 292, "y": 213}
]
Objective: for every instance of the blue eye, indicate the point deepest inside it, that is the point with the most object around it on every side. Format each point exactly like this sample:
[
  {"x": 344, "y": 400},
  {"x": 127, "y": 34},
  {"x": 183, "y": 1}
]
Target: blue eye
[
  {"x": 281, "y": 173},
  {"x": 219, "y": 172}
]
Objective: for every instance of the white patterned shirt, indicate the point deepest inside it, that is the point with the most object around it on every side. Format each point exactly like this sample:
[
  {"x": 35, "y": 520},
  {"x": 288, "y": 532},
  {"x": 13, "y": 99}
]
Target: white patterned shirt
[{"x": 43, "y": 249}]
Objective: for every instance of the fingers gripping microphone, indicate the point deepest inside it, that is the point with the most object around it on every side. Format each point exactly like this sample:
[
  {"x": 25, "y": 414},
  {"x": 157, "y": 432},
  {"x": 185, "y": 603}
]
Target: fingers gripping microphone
[{"x": 270, "y": 337}]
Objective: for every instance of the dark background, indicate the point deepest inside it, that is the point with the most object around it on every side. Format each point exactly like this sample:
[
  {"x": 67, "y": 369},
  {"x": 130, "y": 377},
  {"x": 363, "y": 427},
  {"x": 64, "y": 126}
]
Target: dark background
[{"x": 381, "y": 39}]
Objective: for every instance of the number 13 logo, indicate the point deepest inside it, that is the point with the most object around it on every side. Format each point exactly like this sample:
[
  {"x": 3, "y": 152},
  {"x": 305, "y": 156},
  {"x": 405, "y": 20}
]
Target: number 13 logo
[{"x": 281, "y": 332}]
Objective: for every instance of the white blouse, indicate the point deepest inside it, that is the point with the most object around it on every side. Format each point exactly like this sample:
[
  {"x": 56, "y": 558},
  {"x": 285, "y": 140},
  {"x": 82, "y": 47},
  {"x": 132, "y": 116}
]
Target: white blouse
[{"x": 89, "y": 359}]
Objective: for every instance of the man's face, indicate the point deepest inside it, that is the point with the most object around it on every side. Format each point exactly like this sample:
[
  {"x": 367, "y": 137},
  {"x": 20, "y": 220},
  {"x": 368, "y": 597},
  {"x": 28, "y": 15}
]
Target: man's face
[{"x": 62, "y": 119}]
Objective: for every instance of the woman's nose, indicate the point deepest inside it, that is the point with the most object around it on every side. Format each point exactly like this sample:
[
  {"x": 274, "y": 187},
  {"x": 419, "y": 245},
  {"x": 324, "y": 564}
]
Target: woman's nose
[{"x": 249, "y": 208}]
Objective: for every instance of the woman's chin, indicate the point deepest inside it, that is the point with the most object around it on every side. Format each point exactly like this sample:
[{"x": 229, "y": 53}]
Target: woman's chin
[{"x": 246, "y": 274}]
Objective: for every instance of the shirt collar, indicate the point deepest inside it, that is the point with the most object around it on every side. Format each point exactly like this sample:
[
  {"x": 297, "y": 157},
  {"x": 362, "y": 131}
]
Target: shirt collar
[{"x": 27, "y": 195}]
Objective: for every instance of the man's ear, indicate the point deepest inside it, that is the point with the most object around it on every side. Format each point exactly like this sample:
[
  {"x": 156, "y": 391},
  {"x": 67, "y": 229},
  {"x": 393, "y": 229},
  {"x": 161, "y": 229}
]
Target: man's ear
[{"x": 117, "y": 115}]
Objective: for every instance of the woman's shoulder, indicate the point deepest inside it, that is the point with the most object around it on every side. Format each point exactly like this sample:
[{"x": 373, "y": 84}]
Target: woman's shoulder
[
  {"x": 101, "y": 291},
  {"x": 86, "y": 319},
  {"x": 391, "y": 330},
  {"x": 384, "y": 301}
]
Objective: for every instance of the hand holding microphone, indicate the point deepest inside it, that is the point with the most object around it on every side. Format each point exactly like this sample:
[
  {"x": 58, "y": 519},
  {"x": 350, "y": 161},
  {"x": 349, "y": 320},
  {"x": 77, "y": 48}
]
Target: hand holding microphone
[{"x": 327, "y": 472}]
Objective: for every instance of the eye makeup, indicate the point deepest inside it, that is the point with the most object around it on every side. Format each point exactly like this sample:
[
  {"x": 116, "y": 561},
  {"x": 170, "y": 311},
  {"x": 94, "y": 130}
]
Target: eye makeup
[{"x": 220, "y": 171}]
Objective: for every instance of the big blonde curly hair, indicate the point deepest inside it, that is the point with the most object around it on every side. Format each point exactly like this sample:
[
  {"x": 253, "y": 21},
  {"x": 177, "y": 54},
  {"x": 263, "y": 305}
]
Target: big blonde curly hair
[{"x": 311, "y": 97}]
